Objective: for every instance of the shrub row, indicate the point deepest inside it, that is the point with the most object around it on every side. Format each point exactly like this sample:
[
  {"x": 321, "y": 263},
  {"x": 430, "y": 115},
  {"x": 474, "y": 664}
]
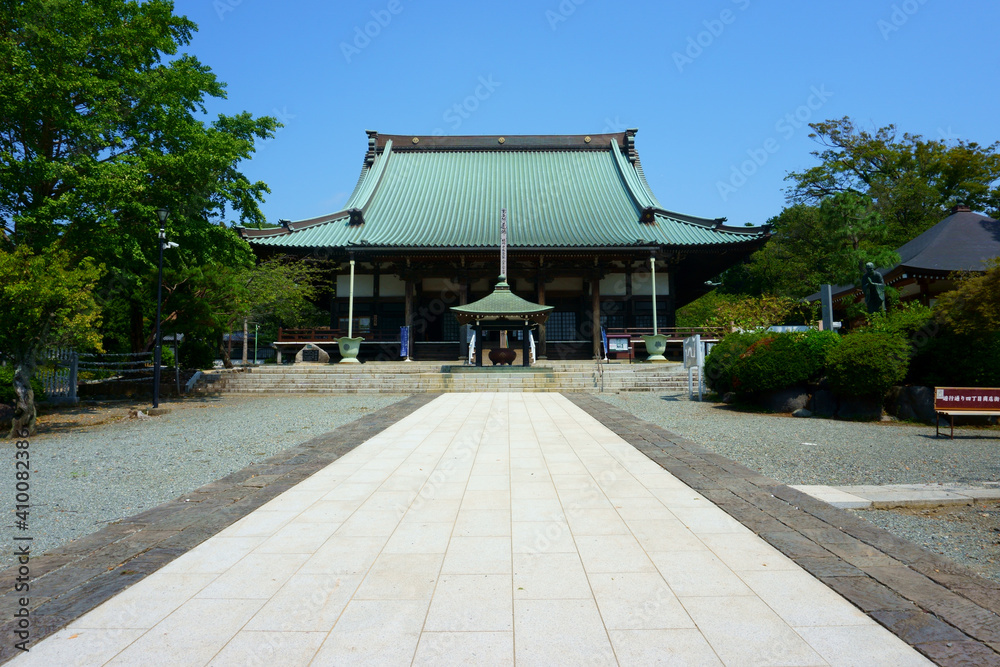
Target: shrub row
[{"x": 858, "y": 365}]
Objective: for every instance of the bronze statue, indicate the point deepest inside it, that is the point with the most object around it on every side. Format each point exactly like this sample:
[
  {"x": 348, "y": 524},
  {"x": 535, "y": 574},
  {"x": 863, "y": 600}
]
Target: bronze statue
[{"x": 873, "y": 287}]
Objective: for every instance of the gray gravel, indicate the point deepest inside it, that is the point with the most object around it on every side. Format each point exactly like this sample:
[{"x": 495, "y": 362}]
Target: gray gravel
[
  {"x": 840, "y": 453},
  {"x": 967, "y": 535},
  {"x": 84, "y": 478},
  {"x": 824, "y": 451}
]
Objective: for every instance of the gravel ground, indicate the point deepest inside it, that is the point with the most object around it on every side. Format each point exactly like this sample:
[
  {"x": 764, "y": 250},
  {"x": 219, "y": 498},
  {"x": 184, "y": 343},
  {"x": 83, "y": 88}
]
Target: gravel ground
[
  {"x": 93, "y": 466},
  {"x": 967, "y": 535},
  {"x": 825, "y": 451},
  {"x": 840, "y": 453}
]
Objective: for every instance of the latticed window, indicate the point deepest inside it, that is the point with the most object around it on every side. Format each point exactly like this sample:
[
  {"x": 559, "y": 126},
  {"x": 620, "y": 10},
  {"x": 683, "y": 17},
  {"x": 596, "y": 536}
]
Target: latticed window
[
  {"x": 451, "y": 327},
  {"x": 561, "y": 326}
]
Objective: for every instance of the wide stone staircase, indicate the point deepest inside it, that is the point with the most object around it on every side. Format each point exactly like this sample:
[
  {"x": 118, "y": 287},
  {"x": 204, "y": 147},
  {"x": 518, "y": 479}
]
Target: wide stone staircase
[{"x": 415, "y": 377}]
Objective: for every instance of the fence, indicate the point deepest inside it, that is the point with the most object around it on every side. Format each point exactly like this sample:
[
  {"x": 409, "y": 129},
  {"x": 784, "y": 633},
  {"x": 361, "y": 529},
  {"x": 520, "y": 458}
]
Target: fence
[{"x": 58, "y": 376}]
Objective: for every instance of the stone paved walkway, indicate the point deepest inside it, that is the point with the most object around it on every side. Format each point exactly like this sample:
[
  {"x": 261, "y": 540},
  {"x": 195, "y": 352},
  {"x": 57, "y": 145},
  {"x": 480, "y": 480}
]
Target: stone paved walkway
[{"x": 481, "y": 529}]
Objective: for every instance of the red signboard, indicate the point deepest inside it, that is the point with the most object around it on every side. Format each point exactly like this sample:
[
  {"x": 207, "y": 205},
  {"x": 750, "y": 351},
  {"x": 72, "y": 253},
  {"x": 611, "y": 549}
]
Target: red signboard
[{"x": 966, "y": 398}]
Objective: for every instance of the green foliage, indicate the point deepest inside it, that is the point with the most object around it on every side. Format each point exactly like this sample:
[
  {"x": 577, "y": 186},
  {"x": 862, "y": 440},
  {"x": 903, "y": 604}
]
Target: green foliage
[
  {"x": 912, "y": 181},
  {"x": 867, "y": 364},
  {"x": 46, "y": 299},
  {"x": 973, "y": 307},
  {"x": 774, "y": 362},
  {"x": 198, "y": 352},
  {"x": 755, "y": 363},
  {"x": 871, "y": 192},
  {"x": 750, "y": 313},
  {"x": 124, "y": 134},
  {"x": 950, "y": 359},
  {"x": 721, "y": 362},
  {"x": 698, "y": 312},
  {"x": 7, "y": 386},
  {"x": 208, "y": 301},
  {"x": 825, "y": 243},
  {"x": 906, "y": 320},
  {"x": 813, "y": 346}
]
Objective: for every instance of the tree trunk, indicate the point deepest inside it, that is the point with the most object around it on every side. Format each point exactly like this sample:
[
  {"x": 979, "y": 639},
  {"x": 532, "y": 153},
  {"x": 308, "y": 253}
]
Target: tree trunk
[
  {"x": 23, "y": 423},
  {"x": 137, "y": 327},
  {"x": 227, "y": 360}
]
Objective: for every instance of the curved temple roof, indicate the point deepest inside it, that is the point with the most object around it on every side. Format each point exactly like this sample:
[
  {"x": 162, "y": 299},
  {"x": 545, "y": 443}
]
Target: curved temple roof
[{"x": 571, "y": 191}]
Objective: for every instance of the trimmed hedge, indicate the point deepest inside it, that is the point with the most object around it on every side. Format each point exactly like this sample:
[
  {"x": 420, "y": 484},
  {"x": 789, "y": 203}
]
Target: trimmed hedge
[
  {"x": 723, "y": 359},
  {"x": 764, "y": 361},
  {"x": 867, "y": 365}
]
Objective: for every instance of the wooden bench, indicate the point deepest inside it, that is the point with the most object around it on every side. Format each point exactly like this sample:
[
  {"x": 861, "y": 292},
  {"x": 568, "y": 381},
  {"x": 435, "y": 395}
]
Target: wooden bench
[{"x": 951, "y": 401}]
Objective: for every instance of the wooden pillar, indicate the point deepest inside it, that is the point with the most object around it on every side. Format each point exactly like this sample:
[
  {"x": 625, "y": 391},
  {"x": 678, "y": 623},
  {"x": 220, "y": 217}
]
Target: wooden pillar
[
  {"x": 542, "y": 348},
  {"x": 595, "y": 306},
  {"x": 629, "y": 301},
  {"x": 463, "y": 330},
  {"x": 408, "y": 314},
  {"x": 671, "y": 300},
  {"x": 376, "y": 275}
]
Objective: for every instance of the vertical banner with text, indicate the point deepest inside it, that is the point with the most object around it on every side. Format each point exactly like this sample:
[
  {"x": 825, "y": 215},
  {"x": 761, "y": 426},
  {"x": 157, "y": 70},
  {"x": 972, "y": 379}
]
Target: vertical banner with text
[{"x": 503, "y": 242}]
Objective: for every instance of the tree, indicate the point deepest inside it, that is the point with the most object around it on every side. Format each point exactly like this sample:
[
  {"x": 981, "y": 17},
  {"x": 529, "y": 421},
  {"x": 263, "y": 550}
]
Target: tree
[
  {"x": 99, "y": 127},
  {"x": 209, "y": 301},
  {"x": 812, "y": 245},
  {"x": 46, "y": 299},
  {"x": 912, "y": 181},
  {"x": 974, "y": 306}
]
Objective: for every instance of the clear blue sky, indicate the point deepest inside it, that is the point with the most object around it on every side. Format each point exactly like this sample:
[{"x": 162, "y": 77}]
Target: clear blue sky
[{"x": 709, "y": 84}]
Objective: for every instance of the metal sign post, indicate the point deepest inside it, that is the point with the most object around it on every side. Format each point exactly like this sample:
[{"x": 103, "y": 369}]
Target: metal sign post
[
  {"x": 503, "y": 242},
  {"x": 694, "y": 357}
]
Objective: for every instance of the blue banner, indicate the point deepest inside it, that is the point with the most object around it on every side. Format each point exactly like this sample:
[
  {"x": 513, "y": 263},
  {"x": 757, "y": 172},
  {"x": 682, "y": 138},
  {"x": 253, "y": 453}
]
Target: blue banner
[
  {"x": 604, "y": 339},
  {"x": 404, "y": 341}
]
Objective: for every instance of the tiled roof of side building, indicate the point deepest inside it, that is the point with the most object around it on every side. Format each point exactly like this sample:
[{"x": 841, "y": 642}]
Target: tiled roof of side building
[{"x": 569, "y": 191}]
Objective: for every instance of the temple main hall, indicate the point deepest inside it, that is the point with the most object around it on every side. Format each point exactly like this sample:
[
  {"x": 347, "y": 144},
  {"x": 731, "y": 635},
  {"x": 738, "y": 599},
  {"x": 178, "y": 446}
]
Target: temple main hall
[{"x": 586, "y": 234}]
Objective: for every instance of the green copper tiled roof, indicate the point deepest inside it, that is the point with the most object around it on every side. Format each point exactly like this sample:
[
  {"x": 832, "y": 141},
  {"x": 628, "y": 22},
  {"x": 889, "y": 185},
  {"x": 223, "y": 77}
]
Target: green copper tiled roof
[
  {"x": 447, "y": 192},
  {"x": 501, "y": 303}
]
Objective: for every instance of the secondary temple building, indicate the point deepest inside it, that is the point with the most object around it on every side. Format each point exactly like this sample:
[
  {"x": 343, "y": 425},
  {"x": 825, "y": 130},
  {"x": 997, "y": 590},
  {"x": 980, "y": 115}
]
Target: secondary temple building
[{"x": 585, "y": 234}]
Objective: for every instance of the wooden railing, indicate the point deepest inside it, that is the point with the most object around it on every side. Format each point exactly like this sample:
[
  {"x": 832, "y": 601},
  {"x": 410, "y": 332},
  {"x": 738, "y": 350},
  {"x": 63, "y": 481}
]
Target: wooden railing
[
  {"x": 674, "y": 333},
  {"x": 328, "y": 334}
]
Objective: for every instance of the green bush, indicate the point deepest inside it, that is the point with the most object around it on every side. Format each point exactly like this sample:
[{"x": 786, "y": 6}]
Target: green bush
[
  {"x": 949, "y": 359},
  {"x": 779, "y": 361},
  {"x": 198, "y": 352},
  {"x": 7, "y": 394},
  {"x": 866, "y": 365},
  {"x": 763, "y": 361},
  {"x": 725, "y": 355},
  {"x": 907, "y": 320}
]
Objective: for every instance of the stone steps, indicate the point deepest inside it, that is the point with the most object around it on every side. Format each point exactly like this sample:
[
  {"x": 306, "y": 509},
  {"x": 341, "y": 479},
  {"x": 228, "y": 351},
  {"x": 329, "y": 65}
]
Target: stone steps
[{"x": 396, "y": 377}]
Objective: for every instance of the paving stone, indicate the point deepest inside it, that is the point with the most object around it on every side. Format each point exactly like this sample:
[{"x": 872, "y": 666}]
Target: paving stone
[
  {"x": 960, "y": 653},
  {"x": 828, "y": 566},
  {"x": 794, "y": 545},
  {"x": 917, "y": 628}
]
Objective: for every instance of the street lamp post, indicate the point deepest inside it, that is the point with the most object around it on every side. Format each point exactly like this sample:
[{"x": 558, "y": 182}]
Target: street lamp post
[{"x": 162, "y": 214}]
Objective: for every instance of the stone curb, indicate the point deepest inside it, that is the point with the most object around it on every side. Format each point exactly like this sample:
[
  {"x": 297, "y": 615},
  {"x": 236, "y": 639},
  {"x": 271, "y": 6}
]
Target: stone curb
[
  {"x": 890, "y": 496},
  {"x": 935, "y": 605},
  {"x": 72, "y": 579}
]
